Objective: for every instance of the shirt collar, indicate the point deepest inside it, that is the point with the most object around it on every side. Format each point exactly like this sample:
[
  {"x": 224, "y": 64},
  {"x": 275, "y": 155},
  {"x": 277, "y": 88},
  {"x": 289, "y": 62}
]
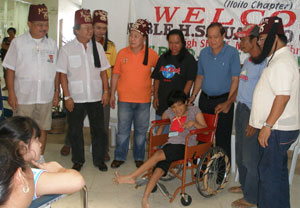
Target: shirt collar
[
  {"x": 79, "y": 43},
  {"x": 31, "y": 38},
  {"x": 278, "y": 52},
  {"x": 221, "y": 51},
  {"x": 141, "y": 51}
]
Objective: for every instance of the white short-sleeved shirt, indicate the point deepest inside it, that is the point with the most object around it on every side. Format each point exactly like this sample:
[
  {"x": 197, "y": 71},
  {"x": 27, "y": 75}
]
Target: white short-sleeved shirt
[
  {"x": 34, "y": 63},
  {"x": 280, "y": 77},
  {"x": 84, "y": 81}
]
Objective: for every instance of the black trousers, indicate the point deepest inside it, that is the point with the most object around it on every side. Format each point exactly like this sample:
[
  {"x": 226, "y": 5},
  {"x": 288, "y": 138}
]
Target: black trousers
[
  {"x": 94, "y": 110},
  {"x": 224, "y": 128}
]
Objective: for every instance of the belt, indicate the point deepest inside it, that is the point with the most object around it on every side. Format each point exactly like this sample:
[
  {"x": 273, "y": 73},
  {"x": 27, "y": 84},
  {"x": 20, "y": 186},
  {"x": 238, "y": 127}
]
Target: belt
[{"x": 214, "y": 97}]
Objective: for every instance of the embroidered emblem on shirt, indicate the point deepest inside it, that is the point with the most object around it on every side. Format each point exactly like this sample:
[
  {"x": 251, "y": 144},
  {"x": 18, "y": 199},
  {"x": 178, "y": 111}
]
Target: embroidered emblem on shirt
[
  {"x": 50, "y": 60},
  {"x": 243, "y": 75},
  {"x": 169, "y": 71}
]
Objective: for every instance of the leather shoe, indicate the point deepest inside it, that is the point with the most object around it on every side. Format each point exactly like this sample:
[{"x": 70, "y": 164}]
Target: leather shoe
[
  {"x": 139, "y": 163},
  {"x": 116, "y": 163},
  {"x": 77, "y": 166},
  {"x": 65, "y": 150},
  {"x": 102, "y": 167},
  {"x": 106, "y": 157}
]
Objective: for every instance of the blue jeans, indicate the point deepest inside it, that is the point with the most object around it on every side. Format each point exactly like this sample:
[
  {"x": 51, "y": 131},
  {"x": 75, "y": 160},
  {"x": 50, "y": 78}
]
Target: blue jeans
[
  {"x": 273, "y": 186},
  {"x": 247, "y": 154},
  {"x": 167, "y": 127},
  {"x": 139, "y": 114}
]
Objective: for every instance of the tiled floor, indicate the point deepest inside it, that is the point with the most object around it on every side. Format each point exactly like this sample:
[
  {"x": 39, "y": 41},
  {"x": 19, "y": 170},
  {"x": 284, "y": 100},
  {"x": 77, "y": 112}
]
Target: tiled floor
[{"x": 104, "y": 194}]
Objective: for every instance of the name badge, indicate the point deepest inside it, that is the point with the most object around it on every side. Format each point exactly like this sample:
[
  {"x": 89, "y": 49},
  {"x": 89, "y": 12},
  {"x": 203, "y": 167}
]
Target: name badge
[{"x": 173, "y": 133}]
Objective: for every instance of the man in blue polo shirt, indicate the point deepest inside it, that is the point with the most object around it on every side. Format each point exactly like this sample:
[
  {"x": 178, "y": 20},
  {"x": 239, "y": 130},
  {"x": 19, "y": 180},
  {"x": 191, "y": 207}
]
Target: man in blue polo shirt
[{"x": 218, "y": 75}]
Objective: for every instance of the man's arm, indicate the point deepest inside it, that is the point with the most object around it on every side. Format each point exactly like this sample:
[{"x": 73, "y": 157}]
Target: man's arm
[
  {"x": 196, "y": 89},
  {"x": 56, "y": 89},
  {"x": 224, "y": 107},
  {"x": 277, "y": 109},
  {"x": 114, "y": 81},
  {"x": 105, "y": 95},
  {"x": 188, "y": 86},
  {"x": 69, "y": 103},
  {"x": 10, "y": 83}
]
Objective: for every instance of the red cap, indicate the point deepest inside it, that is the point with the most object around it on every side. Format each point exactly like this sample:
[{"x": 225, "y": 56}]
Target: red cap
[
  {"x": 267, "y": 23},
  {"x": 83, "y": 16},
  {"x": 100, "y": 16},
  {"x": 247, "y": 31},
  {"x": 141, "y": 26},
  {"x": 38, "y": 13}
]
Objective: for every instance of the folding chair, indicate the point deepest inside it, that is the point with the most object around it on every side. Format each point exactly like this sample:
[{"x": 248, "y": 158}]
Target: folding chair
[
  {"x": 212, "y": 171},
  {"x": 46, "y": 200}
]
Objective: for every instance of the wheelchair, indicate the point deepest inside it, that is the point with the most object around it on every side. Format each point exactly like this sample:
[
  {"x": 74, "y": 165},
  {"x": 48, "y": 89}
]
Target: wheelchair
[{"x": 209, "y": 165}]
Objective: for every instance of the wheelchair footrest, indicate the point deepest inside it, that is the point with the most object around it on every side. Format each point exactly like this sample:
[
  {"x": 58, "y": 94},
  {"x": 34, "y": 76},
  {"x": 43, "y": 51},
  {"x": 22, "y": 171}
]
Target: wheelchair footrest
[
  {"x": 164, "y": 190},
  {"x": 141, "y": 182}
]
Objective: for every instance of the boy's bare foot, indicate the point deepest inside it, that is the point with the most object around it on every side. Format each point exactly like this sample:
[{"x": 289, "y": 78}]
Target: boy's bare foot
[
  {"x": 145, "y": 203},
  {"x": 123, "y": 179}
]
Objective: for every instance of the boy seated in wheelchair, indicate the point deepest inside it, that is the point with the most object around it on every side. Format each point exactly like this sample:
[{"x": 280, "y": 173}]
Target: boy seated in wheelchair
[{"x": 183, "y": 119}]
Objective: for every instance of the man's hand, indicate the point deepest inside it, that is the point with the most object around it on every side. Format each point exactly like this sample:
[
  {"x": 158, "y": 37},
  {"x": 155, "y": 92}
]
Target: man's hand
[
  {"x": 191, "y": 99},
  {"x": 13, "y": 101},
  {"x": 112, "y": 101},
  {"x": 105, "y": 99},
  {"x": 222, "y": 107},
  {"x": 155, "y": 102},
  {"x": 69, "y": 103},
  {"x": 250, "y": 131},
  {"x": 55, "y": 100},
  {"x": 263, "y": 136}
]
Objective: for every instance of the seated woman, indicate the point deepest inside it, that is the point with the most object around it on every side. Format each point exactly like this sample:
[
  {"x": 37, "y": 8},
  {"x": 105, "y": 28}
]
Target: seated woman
[
  {"x": 16, "y": 178},
  {"x": 183, "y": 118},
  {"x": 49, "y": 178}
]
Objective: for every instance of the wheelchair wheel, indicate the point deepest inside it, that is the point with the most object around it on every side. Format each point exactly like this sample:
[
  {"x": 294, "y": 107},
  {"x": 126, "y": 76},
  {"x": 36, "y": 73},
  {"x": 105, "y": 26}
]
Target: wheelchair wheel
[
  {"x": 212, "y": 172},
  {"x": 170, "y": 176},
  {"x": 186, "y": 200}
]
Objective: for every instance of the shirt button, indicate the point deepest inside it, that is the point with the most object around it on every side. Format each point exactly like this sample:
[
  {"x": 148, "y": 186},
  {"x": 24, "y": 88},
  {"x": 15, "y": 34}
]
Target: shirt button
[{"x": 215, "y": 58}]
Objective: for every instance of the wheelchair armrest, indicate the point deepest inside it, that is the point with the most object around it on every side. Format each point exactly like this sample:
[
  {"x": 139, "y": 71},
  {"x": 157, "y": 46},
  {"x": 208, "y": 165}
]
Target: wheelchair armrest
[
  {"x": 161, "y": 122},
  {"x": 45, "y": 200},
  {"x": 203, "y": 131}
]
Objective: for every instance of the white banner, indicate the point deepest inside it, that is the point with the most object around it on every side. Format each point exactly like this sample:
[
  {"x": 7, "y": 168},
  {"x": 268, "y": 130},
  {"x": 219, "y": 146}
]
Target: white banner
[{"x": 193, "y": 17}]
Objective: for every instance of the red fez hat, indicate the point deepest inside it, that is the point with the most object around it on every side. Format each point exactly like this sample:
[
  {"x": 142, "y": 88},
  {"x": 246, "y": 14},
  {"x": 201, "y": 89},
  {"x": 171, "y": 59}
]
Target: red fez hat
[
  {"x": 141, "y": 26},
  {"x": 83, "y": 16},
  {"x": 247, "y": 31},
  {"x": 267, "y": 23},
  {"x": 100, "y": 16},
  {"x": 38, "y": 13}
]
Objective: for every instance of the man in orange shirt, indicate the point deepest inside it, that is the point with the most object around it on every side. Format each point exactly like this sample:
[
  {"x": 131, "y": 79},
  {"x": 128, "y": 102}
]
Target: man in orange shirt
[{"x": 132, "y": 80}]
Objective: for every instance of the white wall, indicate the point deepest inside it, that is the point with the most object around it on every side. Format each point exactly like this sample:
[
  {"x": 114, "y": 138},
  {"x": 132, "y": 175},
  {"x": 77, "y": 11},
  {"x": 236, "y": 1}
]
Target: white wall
[
  {"x": 118, "y": 15},
  {"x": 66, "y": 12}
]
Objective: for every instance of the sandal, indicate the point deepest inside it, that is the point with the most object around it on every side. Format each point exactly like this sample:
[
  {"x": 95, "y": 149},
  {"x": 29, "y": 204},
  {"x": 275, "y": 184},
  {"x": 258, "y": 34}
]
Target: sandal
[
  {"x": 242, "y": 203},
  {"x": 235, "y": 189}
]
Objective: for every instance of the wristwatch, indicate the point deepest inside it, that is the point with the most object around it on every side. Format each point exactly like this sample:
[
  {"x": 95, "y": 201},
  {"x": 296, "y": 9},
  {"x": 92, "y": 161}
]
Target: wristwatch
[
  {"x": 67, "y": 97},
  {"x": 267, "y": 125}
]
